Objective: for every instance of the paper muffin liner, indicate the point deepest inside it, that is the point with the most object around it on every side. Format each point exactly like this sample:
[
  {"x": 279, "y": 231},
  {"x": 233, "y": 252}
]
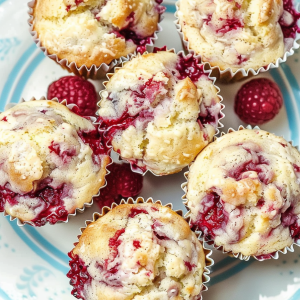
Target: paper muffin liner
[
  {"x": 86, "y": 204},
  {"x": 150, "y": 49},
  {"x": 273, "y": 255},
  {"x": 209, "y": 262},
  {"x": 94, "y": 72},
  {"x": 228, "y": 75}
]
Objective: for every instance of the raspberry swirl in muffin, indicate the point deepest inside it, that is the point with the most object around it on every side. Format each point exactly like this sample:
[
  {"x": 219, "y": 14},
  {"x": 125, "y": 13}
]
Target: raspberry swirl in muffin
[
  {"x": 92, "y": 32},
  {"x": 137, "y": 251},
  {"x": 52, "y": 161},
  {"x": 239, "y": 34},
  {"x": 243, "y": 192},
  {"x": 159, "y": 111}
]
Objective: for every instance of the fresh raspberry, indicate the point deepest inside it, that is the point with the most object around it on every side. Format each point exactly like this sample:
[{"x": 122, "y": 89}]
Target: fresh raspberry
[
  {"x": 75, "y": 90},
  {"x": 121, "y": 182},
  {"x": 258, "y": 101}
]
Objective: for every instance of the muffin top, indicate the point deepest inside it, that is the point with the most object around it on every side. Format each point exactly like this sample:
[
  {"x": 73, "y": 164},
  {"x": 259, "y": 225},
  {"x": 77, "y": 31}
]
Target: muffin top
[
  {"x": 243, "y": 192},
  {"x": 92, "y": 32},
  {"x": 160, "y": 110},
  {"x": 238, "y": 34},
  {"x": 138, "y": 251},
  {"x": 51, "y": 162}
]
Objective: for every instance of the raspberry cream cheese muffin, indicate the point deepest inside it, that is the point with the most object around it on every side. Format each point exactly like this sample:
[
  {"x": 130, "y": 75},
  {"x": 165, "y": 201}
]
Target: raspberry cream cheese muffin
[
  {"x": 92, "y": 32},
  {"x": 239, "y": 34},
  {"x": 135, "y": 252},
  {"x": 243, "y": 193},
  {"x": 159, "y": 111},
  {"x": 51, "y": 162}
]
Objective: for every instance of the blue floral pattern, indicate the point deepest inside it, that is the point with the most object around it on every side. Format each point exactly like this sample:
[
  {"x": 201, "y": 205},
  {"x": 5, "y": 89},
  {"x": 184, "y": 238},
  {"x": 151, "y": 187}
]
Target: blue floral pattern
[
  {"x": 32, "y": 278},
  {"x": 8, "y": 46}
]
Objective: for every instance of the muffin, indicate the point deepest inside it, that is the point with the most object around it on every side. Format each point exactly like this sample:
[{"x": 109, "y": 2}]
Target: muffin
[
  {"x": 51, "y": 162},
  {"x": 137, "y": 251},
  {"x": 159, "y": 111},
  {"x": 238, "y": 34},
  {"x": 93, "y": 32},
  {"x": 243, "y": 193}
]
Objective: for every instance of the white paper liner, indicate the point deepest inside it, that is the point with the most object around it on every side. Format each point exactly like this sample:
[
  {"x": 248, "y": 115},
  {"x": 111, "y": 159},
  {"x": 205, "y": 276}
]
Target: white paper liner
[
  {"x": 209, "y": 262},
  {"x": 86, "y": 204},
  {"x": 227, "y": 75},
  {"x": 275, "y": 255},
  {"x": 207, "y": 72},
  {"x": 94, "y": 72}
]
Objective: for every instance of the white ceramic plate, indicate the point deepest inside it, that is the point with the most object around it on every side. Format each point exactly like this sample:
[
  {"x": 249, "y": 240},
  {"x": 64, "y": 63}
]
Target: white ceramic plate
[{"x": 34, "y": 261}]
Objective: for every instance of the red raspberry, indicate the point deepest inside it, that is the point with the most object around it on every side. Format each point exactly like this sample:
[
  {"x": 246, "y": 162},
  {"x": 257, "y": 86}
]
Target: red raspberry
[
  {"x": 121, "y": 182},
  {"x": 258, "y": 101},
  {"x": 75, "y": 90}
]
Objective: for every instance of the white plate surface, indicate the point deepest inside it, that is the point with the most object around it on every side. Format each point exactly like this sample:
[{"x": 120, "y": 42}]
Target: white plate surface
[{"x": 33, "y": 261}]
